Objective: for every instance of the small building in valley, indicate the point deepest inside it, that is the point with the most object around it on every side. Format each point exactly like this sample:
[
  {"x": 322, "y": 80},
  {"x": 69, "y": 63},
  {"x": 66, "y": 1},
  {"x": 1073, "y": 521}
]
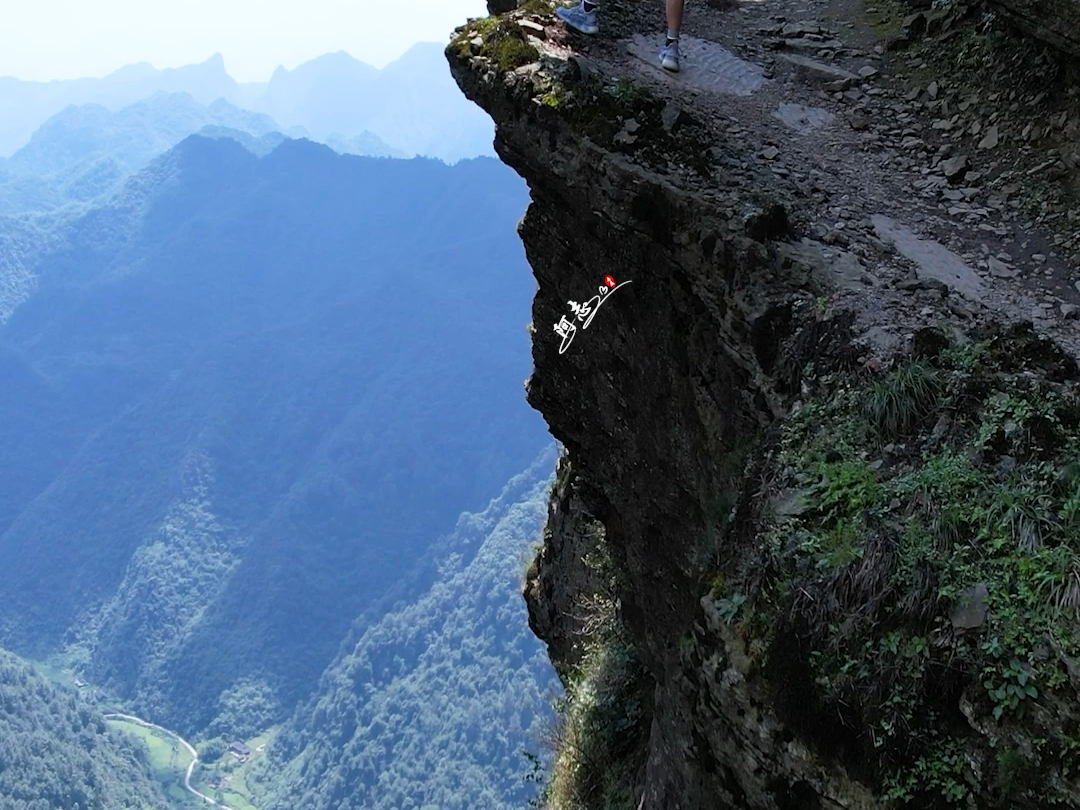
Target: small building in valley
[{"x": 239, "y": 750}]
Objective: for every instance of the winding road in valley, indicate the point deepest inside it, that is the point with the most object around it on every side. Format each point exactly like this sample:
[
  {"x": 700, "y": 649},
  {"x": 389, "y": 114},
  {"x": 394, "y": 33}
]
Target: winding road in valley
[{"x": 183, "y": 742}]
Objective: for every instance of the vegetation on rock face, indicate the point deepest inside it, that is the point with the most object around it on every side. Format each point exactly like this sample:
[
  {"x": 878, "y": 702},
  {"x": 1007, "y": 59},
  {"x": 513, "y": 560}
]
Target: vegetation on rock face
[
  {"x": 913, "y": 562},
  {"x": 502, "y": 41},
  {"x": 597, "y": 741},
  {"x": 57, "y": 753}
]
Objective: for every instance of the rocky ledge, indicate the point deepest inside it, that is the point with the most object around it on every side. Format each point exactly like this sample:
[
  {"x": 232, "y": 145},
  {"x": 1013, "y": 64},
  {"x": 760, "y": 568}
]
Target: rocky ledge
[{"x": 815, "y": 536}]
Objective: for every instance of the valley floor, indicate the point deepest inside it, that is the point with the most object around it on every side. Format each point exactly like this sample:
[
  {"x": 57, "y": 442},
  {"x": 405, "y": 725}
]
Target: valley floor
[
  {"x": 175, "y": 761},
  {"x": 170, "y": 753}
]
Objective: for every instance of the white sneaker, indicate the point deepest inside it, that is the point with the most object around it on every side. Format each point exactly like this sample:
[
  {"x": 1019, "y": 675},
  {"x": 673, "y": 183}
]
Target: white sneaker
[
  {"x": 577, "y": 17},
  {"x": 669, "y": 57}
]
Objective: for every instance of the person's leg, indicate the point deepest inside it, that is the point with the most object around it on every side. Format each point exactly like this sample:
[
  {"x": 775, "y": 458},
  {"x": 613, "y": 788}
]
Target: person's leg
[
  {"x": 669, "y": 54},
  {"x": 583, "y": 17},
  {"x": 674, "y": 18}
]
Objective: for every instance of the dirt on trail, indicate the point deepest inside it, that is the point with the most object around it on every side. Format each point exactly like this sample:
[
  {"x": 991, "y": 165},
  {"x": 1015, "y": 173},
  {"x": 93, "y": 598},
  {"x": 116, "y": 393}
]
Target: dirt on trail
[{"x": 928, "y": 164}]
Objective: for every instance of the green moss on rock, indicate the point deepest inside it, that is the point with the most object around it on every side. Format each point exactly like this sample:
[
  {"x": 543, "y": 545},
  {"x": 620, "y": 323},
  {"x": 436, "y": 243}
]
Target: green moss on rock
[
  {"x": 510, "y": 52},
  {"x": 500, "y": 39},
  {"x": 624, "y": 117}
]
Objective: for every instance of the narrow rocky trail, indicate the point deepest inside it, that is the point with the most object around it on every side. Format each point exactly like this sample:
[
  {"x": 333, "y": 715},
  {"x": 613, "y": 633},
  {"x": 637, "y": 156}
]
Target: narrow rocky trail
[
  {"x": 890, "y": 188},
  {"x": 792, "y": 221}
]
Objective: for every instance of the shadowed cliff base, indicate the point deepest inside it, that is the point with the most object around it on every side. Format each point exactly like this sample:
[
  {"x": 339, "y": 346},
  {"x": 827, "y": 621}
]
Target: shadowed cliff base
[{"x": 820, "y": 243}]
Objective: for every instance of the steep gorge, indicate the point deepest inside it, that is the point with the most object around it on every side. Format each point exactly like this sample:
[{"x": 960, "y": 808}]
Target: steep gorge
[
  {"x": 786, "y": 452},
  {"x": 198, "y": 412}
]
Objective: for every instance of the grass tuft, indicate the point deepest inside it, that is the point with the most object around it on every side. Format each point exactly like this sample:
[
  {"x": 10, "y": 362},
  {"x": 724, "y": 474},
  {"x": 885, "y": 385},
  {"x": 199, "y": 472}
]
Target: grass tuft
[
  {"x": 908, "y": 394},
  {"x": 597, "y": 743}
]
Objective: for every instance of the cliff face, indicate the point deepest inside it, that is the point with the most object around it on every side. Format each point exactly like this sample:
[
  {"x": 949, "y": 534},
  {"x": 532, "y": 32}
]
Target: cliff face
[
  {"x": 677, "y": 376},
  {"x": 696, "y": 410},
  {"x": 1056, "y": 22}
]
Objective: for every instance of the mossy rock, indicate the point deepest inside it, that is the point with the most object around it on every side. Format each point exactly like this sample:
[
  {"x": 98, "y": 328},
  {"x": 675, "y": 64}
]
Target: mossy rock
[{"x": 501, "y": 40}]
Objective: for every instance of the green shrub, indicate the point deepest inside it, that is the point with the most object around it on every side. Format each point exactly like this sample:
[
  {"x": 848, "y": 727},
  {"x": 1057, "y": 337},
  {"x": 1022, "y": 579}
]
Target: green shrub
[
  {"x": 213, "y": 750},
  {"x": 603, "y": 721},
  {"x": 867, "y": 575}
]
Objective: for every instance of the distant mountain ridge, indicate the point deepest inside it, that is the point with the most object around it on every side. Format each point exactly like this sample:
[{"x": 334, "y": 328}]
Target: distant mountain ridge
[
  {"x": 25, "y": 105},
  {"x": 83, "y": 152},
  {"x": 412, "y": 104},
  {"x": 241, "y": 397},
  {"x": 131, "y": 135}
]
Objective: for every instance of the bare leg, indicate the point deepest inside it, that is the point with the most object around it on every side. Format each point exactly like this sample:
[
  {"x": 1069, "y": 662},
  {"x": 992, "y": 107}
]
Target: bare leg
[
  {"x": 669, "y": 54},
  {"x": 674, "y": 17}
]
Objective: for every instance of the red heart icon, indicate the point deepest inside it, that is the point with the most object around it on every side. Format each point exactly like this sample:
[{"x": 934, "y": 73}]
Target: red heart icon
[{"x": 609, "y": 281}]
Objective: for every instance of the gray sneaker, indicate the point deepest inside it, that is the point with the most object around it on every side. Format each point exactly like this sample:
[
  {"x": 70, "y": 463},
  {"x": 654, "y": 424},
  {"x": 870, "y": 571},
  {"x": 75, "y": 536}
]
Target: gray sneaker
[
  {"x": 669, "y": 57},
  {"x": 577, "y": 17}
]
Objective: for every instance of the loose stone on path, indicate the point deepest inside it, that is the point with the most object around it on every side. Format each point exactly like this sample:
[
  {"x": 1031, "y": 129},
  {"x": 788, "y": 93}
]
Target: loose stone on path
[
  {"x": 933, "y": 260},
  {"x": 990, "y": 139}
]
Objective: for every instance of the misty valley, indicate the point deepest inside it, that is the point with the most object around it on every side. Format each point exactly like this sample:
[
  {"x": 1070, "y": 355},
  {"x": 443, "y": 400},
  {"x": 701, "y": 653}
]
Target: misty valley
[
  {"x": 269, "y": 481},
  {"x": 540, "y": 405}
]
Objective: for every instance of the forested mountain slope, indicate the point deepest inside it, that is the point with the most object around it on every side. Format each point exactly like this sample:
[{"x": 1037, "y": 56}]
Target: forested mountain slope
[
  {"x": 433, "y": 704},
  {"x": 58, "y": 754},
  {"x": 85, "y": 151},
  {"x": 247, "y": 393},
  {"x": 132, "y": 135}
]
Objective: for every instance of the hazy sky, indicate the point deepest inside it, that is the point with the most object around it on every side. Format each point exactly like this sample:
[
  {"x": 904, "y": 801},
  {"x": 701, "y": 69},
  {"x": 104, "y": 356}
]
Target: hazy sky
[{"x": 66, "y": 39}]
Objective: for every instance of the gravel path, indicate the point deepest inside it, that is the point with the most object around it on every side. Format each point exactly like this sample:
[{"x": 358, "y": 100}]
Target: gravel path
[{"x": 913, "y": 193}]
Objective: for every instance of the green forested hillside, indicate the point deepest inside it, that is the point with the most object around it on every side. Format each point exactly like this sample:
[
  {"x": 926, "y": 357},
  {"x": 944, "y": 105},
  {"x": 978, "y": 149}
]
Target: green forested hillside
[
  {"x": 431, "y": 706},
  {"x": 57, "y": 753},
  {"x": 18, "y": 241},
  {"x": 245, "y": 395}
]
